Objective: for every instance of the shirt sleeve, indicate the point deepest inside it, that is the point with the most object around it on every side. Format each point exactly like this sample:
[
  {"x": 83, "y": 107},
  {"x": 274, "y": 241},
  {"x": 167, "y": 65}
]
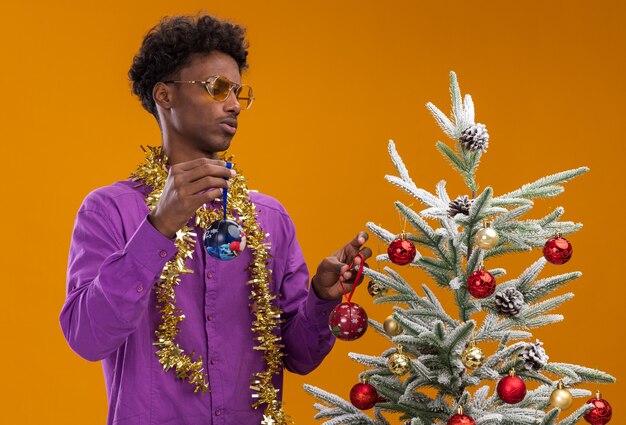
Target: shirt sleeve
[
  {"x": 109, "y": 282},
  {"x": 305, "y": 332}
]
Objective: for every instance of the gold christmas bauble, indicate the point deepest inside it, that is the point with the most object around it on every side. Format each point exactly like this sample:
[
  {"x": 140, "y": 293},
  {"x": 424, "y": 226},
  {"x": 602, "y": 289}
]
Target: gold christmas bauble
[
  {"x": 561, "y": 398},
  {"x": 472, "y": 357},
  {"x": 376, "y": 290},
  {"x": 392, "y": 327},
  {"x": 399, "y": 363},
  {"x": 487, "y": 238}
]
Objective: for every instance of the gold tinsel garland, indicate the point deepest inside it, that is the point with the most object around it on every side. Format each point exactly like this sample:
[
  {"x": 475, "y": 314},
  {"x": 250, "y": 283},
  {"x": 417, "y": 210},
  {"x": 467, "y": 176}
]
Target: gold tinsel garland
[{"x": 153, "y": 174}]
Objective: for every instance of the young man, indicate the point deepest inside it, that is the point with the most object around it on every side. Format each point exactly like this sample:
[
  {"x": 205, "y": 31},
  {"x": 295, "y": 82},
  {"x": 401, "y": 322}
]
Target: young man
[{"x": 188, "y": 75}]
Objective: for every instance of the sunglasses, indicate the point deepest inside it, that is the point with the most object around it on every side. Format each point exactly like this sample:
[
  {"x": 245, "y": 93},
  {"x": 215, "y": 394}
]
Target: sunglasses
[{"x": 219, "y": 89}]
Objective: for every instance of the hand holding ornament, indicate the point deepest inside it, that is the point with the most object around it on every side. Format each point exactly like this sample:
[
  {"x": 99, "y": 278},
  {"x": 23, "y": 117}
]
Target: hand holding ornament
[
  {"x": 326, "y": 280},
  {"x": 186, "y": 189}
]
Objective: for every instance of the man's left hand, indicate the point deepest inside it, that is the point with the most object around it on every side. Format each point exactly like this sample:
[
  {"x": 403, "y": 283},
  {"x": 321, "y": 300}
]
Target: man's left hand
[{"x": 326, "y": 280}]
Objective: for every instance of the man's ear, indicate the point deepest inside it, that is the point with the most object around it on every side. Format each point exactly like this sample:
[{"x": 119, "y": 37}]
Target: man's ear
[{"x": 162, "y": 95}]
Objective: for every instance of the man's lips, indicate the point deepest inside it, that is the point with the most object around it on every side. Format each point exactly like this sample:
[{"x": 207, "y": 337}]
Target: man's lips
[{"x": 229, "y": 125}]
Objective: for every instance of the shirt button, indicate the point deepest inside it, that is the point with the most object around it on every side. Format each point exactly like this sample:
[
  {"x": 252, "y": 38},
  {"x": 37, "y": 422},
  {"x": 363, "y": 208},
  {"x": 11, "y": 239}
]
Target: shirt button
[
  {"x": 208, "y": 317},
  {"x": 163, "y": 253},
  {"x": 218, "y": 412},
  {"x": 212, "y": 361},
  {"x": 209, "y": 275},
  {"x": 139, "y": 288}
]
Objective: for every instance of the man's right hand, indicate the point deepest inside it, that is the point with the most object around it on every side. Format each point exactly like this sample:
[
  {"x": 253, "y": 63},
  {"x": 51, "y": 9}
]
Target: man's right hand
[{"x": 186, "y": 189}]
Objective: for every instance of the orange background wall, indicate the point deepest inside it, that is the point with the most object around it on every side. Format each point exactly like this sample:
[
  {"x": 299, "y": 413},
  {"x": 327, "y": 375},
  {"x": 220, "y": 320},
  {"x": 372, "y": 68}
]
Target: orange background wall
[{"x": 334, "y": 82}]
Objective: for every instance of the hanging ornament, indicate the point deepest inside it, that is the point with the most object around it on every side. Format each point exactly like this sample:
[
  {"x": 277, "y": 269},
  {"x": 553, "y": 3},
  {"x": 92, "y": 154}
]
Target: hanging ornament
[
  {"x": 472, "y": 357},
  {"x": 363, "y": 396},
  {"x": 376, "y": 290},
  {"x": 348, "y": 320},
  {"x": 481, "y": 284},
  {"x": 460, "y": 418},
  {"x": 601, "y": 413},
  {"x": 558, "y": 250},
  {"x": 401, "y": 251},
  {"x": 561, "y": 398},
  {"x": 392, "y": 327},
  {"x": 399, "y": 363},
  {"x": 487, "y": 237},
  {"x": 224, "y": 239},
  {"x": 511, "y": 389}
]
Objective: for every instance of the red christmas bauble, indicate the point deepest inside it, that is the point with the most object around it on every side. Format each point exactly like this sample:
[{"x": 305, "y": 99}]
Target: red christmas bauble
[
  {"x": 557, "y": 250},
  {"x": 461, "y": 420},
  {"x": 363, "y": 396},
  {"x": 401, "y": 251},
  {"x": 511, "y": 389},
  {"x": 481, "y": 284},
  {"x": 601, "y": 412},
  {"x": 348, "y": 321}
]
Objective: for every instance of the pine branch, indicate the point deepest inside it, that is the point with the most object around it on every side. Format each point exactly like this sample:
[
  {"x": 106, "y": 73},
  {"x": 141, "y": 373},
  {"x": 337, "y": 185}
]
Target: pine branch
[
  {"x": 544, "y": 287},
  {"x": 382, "y": 234},
  {"x": 577, "y": 415},
  {"x": 586, "y": 374},
  {"x": 399, "y": 164},
  {"x": 330, "y": 398},
  {"x": 546, "y": 186}
]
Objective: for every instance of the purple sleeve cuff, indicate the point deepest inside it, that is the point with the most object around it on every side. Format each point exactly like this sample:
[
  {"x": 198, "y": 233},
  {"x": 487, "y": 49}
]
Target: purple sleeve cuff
[
  {"x": 317, "y": 310},
  {"x": 149, "y": 247}
]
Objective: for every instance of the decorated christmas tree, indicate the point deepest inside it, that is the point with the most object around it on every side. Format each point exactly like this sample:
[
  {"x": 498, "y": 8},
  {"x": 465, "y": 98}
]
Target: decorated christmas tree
[{"x": 435, "y": 370}]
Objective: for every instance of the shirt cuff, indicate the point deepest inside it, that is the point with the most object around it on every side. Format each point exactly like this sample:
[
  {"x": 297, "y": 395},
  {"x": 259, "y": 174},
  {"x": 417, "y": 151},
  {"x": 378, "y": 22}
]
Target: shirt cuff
[
  {"x": 318, "y": 310},
  {"x": 151, "y": 248}
]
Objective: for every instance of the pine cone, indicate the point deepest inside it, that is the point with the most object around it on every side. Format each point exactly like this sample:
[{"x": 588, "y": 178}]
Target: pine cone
[
  {"x": 475, "y": 138},
  {"x": 460, "y": 205},
  {"x": 509, "y": 302},
  {"x": 534, "y": 356}
]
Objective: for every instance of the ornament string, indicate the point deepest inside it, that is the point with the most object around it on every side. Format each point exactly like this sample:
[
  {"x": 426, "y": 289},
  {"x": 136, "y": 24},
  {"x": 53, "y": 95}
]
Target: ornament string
[
  {"x": 229, "y": 165},
  {"x": 356, "y": 279}
]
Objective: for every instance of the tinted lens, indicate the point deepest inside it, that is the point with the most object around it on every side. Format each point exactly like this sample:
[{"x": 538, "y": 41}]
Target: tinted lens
[
  {"x": 245, "y": 97},
  {"x": 221, "y": 88}
]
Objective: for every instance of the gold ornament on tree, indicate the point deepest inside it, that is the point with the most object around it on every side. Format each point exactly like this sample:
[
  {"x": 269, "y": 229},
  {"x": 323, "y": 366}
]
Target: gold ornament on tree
[
  {"x": 399, "y": 363},
  {"x": 561, "y": 398},
  {"x": 392, "y": 327},
  {"x": 376, "y": 290},
  {"x": 472, "y": 357},
  {"x": 487, "y": 237}
]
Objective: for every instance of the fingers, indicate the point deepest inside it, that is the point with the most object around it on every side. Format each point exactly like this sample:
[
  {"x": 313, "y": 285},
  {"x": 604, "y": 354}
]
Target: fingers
[
  {"x": 350, "y": 275},
  {"x": 366, "y": 252},
  {"x": 208, "y": 170},
  {"x": 359, "y": 240},
  {"x": 204, "y": 184},
  {"x": 206, "y": 197}
]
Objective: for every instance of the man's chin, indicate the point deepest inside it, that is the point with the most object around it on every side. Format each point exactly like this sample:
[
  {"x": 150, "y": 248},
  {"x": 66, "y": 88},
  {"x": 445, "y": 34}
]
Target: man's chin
[{"x": 212, "y": 146}]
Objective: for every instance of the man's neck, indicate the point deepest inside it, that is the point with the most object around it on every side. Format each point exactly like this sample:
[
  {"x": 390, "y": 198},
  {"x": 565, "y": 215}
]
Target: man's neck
[{"x": 179, "y": 151}]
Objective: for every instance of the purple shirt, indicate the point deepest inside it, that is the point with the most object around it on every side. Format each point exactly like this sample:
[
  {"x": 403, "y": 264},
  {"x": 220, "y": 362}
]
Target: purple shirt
[{"x": 110, "y": 314}]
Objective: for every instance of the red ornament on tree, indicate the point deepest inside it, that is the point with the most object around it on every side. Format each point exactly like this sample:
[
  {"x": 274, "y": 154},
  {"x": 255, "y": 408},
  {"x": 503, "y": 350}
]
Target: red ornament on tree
[
  {"x": 461, "y": 419},
  {"x": 511, "y": 389},
  {"x": 557, "y": 250},
  {"x": 601, "y": 413},
  {"x": 401, "y": 251},
  {"x": 363, "y": 396},
  {"x": 481, "y": 283},
  {"x": 348, "y": 321}
]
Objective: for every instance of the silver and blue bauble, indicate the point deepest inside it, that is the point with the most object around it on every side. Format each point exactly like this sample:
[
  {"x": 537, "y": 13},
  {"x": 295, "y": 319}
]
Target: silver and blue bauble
[{"x": 224, "y": 239}]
